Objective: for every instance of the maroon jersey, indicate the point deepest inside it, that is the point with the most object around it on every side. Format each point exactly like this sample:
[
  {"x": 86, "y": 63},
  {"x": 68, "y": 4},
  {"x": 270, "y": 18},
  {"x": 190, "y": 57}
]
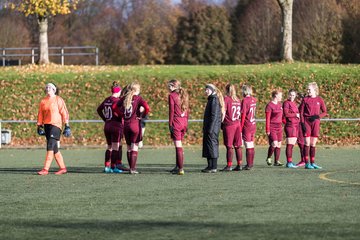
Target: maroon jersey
[
  {"x": 132, "y": 114},
  {"x": 274, "y": 113},
  {"x": 248, "y": 108},
  {"x": 177, "y": 118},
  {"x": 105, "y": 110},
  {"x": 290, "y": 110},
  {"x": 113, "y": 128},
  {"x": 232, "y": 111},
  {"x": 313, "y": 106}
]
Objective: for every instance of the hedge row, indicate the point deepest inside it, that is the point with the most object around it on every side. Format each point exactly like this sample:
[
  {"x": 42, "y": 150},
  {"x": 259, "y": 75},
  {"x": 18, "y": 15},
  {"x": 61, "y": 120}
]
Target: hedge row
[{"x": 84, "y": 87}]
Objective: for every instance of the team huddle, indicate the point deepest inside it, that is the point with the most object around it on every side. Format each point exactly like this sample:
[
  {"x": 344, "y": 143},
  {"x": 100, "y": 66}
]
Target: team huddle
[{"x": 124, "y": 110}]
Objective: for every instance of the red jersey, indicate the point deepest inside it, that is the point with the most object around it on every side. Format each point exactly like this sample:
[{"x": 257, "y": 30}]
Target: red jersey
[
  {"x": 232, "y": 111},
  {"x": 176, "y": 116},
  {"x": 290, "y": 109},
  {"x": 248, "y": 108},
  {"x": 274, "y": 113},
  {"x": 131, "y": 114},
  {"x": 313, "y": 106},
  {"x": 105, "y": 110}
]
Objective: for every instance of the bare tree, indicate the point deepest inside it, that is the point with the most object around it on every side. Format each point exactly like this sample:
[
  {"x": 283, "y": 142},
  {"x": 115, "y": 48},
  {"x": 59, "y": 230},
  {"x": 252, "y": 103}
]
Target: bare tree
[{"x": 286, "y": 48}]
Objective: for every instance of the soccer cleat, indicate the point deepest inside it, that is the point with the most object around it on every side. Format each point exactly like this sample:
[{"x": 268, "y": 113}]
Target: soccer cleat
[
  {"x": 181, "y": 172},
  {"x": 122, "y": 167},
  {"x": 43, "y": 172},
  {"x": 116, "y": 170},
  {"x": 291, "y": 165},
  {"x": 300, "y": 164},
  {"x": 61, "y": 171},
  {"x": 227, "y": 169},
  {"x": 316, "y": 166},
  {"x": 206, "y": 170},
  {"x": 174, "y": 170},
  {"x": 133, "y": 171},
  {"x": 108, "y": 170},
  {"x": 309, "y": 166},
  {"x": 278, "y": 164},
  {"x": 238, "y": 168},
  {"x": 268, "y": 161},
  {"x": 247, "y": 167},
  {"x": 213, "y": 171}
]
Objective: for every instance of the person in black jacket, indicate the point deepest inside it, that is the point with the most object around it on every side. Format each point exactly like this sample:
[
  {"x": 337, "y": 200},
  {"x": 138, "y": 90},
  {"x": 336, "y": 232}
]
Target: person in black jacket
[{"x": 213, "y": 116}]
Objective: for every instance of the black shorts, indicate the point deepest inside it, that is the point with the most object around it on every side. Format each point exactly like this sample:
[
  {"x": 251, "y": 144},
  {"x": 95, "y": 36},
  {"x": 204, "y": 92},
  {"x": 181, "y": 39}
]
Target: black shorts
[{"x": 52, "y": 131}]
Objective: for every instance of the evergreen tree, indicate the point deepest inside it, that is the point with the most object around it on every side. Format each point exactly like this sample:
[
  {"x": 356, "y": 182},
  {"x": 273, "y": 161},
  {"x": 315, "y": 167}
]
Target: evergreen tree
[{"x": 203, "y": 37}]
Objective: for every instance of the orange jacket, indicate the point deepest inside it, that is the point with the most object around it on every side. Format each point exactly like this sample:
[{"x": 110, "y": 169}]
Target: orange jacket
[{"x": 52, "y": 110}]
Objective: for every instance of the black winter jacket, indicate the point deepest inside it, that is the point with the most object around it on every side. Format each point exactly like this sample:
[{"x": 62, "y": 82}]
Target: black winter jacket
[{"x": 211, "y": 128}]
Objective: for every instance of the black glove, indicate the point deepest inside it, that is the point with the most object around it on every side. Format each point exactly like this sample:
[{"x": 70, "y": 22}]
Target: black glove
[
  {"x": 67, "y": 130},
  {"x": 171, "y": 129},
  {"x": 40, "y": 130},
  {"x": 303, "y": 127},
  {"x": 313, "y": 118}
]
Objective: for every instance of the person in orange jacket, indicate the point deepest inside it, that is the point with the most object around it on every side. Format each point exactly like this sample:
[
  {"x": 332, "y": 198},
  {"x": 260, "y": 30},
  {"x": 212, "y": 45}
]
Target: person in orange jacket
[{"x": 51, "y": 115}]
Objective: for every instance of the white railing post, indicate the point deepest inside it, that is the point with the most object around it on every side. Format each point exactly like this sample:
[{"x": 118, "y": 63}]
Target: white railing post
[
  {"x": 32, "y": 56},
  {"x": 3, "y": 58},
  {"x": 97, "y": 56},
  {"x": 62, "y": 56}
]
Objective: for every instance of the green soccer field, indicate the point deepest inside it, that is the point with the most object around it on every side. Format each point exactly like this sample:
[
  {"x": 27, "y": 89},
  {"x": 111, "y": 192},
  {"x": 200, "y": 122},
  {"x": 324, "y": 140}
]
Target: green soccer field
[{"x": 264, "y": 203}]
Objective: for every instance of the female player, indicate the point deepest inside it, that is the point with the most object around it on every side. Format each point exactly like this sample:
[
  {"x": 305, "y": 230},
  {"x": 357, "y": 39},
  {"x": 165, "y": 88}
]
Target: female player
[
  {"x": 178, "y": 121},
  {"x": 51, "y": 115},
  {"x": 232, "y": 129},
  {"x": 113, "y": 130},
  {"x": 132, "y": 108},
  {"x": 213, "y": 117},
  {"x": 248, "y": 124},
  {"x": 292, "y": 118},
  {"x": 274, "y": 130},
  {"x": 312, "y": 109}
]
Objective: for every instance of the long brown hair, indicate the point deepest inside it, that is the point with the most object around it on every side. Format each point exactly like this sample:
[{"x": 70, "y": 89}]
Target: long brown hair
[
  {"x": 231, "y": 92},
  {"x": 275, "y": 92},
  {"x": 131, "y": 89},
  {"x": 183, "y": 94}
]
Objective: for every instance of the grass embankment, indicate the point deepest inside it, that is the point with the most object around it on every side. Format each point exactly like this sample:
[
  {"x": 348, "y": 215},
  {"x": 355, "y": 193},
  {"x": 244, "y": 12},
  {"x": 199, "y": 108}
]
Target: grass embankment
[{"x": 84, "y": 88}]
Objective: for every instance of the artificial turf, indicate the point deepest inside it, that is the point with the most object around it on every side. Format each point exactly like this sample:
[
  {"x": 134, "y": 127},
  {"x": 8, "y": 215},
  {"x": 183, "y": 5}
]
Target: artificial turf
[{"x": 263, "y": 203}]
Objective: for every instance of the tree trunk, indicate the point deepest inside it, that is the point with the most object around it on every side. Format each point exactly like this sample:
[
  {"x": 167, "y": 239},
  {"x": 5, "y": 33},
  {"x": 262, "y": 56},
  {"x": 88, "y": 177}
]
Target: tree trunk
[
  {"x": 286, "y": 48},
  {"x": 43, "y": 40}
]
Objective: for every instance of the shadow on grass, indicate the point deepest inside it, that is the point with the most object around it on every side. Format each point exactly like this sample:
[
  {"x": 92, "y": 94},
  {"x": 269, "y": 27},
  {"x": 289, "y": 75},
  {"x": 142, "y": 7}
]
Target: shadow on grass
[
  {"x": 180, "y": 229},
  {"x": 142, "y": 168}
]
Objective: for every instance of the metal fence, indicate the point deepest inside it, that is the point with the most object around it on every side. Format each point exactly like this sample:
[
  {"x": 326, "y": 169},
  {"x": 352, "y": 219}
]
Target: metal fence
[
  {"x": 14, "y": 56},
  {"x": 160, "y": 121}
]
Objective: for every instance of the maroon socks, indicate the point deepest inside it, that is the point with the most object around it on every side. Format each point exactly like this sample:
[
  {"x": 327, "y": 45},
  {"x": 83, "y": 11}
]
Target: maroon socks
[
  {"x": 179, "y": 157},
  {"x": 289, "y": 150}
]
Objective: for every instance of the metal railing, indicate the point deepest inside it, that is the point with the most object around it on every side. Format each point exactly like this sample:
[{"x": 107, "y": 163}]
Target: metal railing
[{"x": 62, "y": 52}]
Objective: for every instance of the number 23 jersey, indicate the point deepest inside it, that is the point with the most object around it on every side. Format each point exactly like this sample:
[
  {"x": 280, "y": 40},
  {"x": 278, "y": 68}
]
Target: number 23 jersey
[{"x": 233, "y": 111}]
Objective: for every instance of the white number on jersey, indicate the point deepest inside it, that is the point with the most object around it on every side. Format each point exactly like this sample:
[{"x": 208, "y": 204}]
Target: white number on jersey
[
  {"x": 252, "y": 113},
  {"x": 107, "y": 111},
  {"x": 128, "y": 112},
  {"x": 235, "y": 112}
]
